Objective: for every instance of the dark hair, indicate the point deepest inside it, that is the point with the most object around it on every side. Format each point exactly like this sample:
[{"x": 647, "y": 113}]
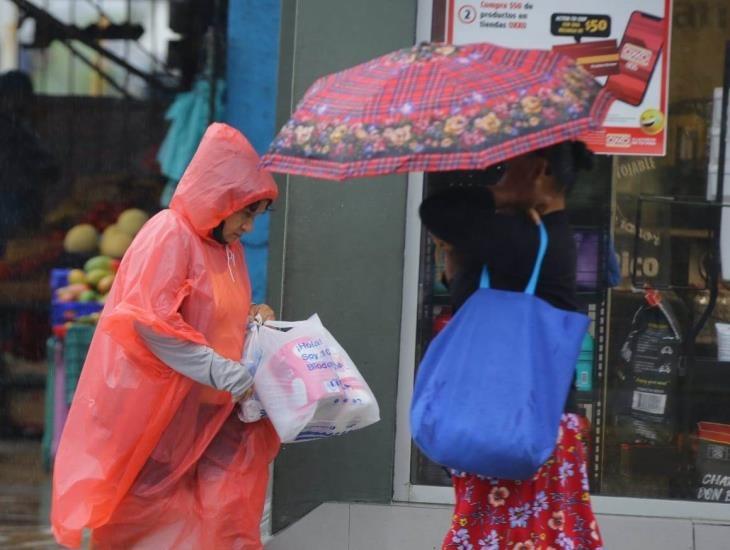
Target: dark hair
[
  {"x": 217, "y": 233},
  {"x": 565, "y": 160},
  {"x": 254, "y": 206},
  {"x": 459, "y": 215}
]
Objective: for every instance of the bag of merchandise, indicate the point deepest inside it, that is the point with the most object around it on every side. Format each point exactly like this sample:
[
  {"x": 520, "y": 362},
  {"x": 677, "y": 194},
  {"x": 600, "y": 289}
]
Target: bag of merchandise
[
  {"x": 306, "y": 383},
  {"x": 648, "y": 374},
  {"x": 491, "y": 389}
]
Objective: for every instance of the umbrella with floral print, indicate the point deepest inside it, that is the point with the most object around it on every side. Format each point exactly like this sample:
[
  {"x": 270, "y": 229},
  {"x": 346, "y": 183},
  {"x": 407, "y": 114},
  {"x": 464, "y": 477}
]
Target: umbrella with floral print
[{"x": 437, "y": 107}]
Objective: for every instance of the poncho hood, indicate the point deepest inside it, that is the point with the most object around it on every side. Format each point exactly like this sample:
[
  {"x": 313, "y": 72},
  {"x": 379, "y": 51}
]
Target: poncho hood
[{"x": 222, "y": 178}]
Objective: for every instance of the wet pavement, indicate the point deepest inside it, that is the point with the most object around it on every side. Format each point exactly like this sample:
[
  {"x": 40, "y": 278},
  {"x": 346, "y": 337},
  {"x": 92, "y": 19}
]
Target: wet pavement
[
  {"x": 29, "y": 538},
  {"x": 24, "y": 497}
]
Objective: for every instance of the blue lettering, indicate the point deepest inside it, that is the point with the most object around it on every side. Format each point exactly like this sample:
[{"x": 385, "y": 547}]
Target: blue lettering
[
  {"x": 323, "y": 365},
  {"x": 308, "y": 345}
]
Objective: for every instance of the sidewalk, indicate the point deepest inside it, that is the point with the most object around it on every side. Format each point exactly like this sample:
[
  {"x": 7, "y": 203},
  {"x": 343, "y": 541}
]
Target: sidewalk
[{"x": 24, "y": 497}]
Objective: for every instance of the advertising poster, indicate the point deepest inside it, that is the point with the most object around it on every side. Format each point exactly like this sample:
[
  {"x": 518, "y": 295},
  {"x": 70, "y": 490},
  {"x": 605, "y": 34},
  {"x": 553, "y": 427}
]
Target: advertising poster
[{"x": 623, "y": 43}]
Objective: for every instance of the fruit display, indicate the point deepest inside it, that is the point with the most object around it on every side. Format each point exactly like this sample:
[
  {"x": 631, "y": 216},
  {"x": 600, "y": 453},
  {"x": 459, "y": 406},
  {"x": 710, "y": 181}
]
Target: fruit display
[
  {"x": 79, "y": 295},
  {"x": 81, "y": 239},
  {"x": 114, "y": 241},
  {"x": 90, "y": 284}
]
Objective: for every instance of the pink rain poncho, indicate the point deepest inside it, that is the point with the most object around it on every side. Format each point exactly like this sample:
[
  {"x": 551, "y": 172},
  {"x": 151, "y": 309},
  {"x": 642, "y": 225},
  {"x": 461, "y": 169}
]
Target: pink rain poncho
[{"x": 148, "y": 457}]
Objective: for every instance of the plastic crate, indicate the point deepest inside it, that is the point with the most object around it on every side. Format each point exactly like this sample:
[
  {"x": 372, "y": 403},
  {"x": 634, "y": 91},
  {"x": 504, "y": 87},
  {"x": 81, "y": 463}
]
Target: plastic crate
[
  {"x": 47, "y": 441},
  {"x": 76, "y": 346},
  {"x": 59, "y": 278},
  {"x": 62, "y": 312}
]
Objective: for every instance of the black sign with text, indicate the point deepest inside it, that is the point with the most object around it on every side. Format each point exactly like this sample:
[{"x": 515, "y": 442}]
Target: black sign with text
[{"x": 580, "y": 25}]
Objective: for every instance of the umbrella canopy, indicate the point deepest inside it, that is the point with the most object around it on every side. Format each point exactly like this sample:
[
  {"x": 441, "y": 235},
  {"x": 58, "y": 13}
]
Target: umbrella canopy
[{"x": 437, "y": 107}]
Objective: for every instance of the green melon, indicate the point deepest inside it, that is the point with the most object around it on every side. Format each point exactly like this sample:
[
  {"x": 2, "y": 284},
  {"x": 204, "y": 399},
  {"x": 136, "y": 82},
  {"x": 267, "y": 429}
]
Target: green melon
[
  {"x": 131, "y": 221},
  {"x": 98, "y": 262},
  {"x": 114, "y": 243},
  {"x": 81, "y": 239}
]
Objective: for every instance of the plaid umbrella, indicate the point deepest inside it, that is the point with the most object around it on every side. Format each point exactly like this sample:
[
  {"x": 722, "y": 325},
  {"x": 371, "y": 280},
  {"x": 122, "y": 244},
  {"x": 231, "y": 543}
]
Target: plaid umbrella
[{"x": 437, "y": 107}]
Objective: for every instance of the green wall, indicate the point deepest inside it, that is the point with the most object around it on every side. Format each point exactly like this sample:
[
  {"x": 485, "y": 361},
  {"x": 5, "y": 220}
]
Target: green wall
[{"x": 337, "y": 250}]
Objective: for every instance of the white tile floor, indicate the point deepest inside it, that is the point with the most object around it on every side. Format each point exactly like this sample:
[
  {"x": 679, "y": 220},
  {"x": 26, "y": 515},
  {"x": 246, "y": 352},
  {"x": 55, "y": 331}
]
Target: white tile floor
[
  {"x": 24, "y": 508},
  {"x": 342, "y": 526}
]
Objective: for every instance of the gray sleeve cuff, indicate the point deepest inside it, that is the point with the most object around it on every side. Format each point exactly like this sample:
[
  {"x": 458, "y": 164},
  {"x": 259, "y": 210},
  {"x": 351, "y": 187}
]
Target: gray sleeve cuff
[{"x": 229, "y": 375}]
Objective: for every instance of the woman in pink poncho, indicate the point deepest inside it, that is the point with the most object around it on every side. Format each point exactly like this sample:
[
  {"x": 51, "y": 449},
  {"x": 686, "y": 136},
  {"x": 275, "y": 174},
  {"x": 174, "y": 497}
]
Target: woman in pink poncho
[{"x": 153, "y": 455}]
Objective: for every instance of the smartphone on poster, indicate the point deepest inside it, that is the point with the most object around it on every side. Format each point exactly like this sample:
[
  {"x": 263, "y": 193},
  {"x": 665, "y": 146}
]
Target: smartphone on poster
[{"x": 641, "y": 45}]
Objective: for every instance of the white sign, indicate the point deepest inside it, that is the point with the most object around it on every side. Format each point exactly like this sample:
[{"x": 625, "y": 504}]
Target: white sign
[{"x": 623, "y": 43}]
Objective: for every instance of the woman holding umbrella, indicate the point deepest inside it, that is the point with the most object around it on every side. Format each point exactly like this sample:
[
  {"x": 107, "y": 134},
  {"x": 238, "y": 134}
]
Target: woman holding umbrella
[
  {"x": 440, "y": 108},
  {"x": 495, "y": 226}
]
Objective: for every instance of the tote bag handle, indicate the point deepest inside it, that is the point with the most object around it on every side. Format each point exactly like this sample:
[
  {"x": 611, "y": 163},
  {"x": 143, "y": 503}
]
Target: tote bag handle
[{"x": 532, "y": 284}]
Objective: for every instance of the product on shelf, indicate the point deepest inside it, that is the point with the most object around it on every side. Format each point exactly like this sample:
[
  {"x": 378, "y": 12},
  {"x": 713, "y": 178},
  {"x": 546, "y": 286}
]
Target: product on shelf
[
  {"x": 650, "y": 359},
  {"x": 713, "y": 462},
  {"x": 723, "y": 341},
  {"x": 584, "y": 369},
  {"x": 441, "y": 320},
  {"x": 439, "y": 288},
  {"x": 588, "y": 247}
]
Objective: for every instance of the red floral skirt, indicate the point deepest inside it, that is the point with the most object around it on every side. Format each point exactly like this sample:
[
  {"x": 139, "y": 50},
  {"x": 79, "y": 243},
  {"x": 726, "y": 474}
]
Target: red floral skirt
[{"x": 551, "y": 511}]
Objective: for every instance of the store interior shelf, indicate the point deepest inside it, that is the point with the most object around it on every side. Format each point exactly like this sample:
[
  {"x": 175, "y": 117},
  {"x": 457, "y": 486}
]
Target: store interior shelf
[
  {"x": 688, "y": 233},
  {"x": 585, "y": 397},
  {"x": 590, "y": 295},
  {"x": 584, "y": 295}
]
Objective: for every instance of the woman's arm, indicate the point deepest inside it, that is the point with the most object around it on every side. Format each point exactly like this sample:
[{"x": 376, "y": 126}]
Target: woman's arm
[
  {"x": 198, "y": 362},
  {"x": 470, "y": 220}
]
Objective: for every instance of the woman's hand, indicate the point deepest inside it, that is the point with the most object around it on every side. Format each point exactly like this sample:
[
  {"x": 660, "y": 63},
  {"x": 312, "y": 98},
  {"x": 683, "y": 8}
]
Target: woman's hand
[
  {"x": 245, "y": 395},
  {"x": 534, "y": 216},
  {"x": 262, "y": 310}
]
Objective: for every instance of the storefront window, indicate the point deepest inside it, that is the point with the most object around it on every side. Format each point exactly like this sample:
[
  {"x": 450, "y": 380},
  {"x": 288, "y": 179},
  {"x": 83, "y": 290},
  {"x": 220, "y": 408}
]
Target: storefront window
[
  {"x": 658, "y": 389},
  {"x": 667, "y": 415}
]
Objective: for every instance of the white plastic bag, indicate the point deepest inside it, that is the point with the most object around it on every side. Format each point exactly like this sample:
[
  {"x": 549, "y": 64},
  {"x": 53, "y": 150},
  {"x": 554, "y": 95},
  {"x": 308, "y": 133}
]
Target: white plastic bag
[
  {"x": 307, "y": 384},
  {"x": 251, "y": 409}
]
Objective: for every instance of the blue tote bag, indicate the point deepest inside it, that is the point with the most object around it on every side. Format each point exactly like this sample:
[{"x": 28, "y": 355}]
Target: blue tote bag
[{"x": 492, "y": 386}]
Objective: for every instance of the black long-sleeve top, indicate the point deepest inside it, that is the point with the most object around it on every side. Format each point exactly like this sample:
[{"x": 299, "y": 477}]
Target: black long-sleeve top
[{"x": 506, "y": 243}]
